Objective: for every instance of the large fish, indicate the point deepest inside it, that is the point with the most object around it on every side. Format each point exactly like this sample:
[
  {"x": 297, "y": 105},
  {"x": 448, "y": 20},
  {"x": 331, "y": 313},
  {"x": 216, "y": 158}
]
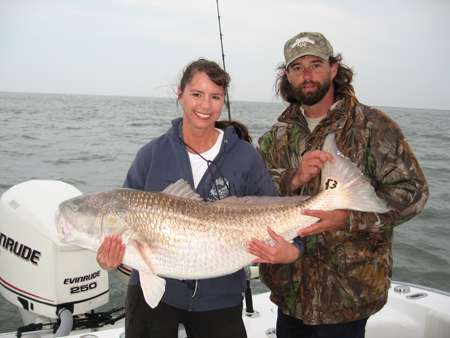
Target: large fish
[{"x": 176, "y": 234}]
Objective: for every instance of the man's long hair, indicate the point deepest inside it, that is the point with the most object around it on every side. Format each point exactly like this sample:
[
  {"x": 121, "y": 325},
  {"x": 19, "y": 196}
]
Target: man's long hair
[{"x": 342, "y": 83}]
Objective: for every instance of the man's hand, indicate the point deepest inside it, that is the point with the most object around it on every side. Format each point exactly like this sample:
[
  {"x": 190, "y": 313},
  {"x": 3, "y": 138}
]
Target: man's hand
[
  {"x": 281, "y": 252},
  {"x": 329, "y": 220},
  {"x": 311, "y": 165},
  {"x": 111, "y": 252}
]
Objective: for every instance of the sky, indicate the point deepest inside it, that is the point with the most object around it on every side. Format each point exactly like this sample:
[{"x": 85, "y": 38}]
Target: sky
[{"x": 399, "y": 49}]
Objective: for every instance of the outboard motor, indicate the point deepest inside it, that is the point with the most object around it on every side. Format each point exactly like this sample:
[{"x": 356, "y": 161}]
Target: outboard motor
[{"x": 39, "y": 274}]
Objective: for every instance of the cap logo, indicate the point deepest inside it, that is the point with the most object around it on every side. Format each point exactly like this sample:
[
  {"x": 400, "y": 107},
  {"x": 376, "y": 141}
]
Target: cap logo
[{"x": 301, "y": 42}]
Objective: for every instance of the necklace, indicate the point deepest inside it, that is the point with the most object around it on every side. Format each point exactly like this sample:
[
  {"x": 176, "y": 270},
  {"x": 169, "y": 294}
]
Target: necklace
[{"x": 209, "y": 164}]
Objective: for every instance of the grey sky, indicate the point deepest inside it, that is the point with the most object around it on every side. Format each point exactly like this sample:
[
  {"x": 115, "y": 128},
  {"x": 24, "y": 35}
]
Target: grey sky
[{"x": 398, "y": 49}]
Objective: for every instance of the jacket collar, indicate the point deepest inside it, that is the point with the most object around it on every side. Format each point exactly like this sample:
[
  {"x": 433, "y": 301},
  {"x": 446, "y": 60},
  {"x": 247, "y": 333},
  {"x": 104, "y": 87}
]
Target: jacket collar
[
  {"x": 230, "y": 136},
  {"x": 335, "y": 118}
]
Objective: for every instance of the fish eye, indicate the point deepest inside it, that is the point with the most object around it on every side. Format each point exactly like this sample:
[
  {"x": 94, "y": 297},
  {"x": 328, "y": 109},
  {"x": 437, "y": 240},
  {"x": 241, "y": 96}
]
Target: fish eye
[{"x": 73, "y": 207}]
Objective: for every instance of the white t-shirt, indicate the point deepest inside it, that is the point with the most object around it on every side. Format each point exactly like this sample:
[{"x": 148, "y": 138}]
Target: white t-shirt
[{"x": 199, "y": 165}]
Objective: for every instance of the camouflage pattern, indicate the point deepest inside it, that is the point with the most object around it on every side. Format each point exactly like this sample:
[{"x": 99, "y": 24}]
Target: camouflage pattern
[
  {"x": 307, "y": 43},
  {"x": 344, "y": 275}
]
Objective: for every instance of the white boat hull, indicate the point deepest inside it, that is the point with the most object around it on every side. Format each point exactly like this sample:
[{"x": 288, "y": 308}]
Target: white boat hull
[{"x": 420, "y": 313}]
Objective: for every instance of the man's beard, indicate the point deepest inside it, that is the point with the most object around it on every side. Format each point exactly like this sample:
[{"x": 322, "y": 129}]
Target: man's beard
[{"x": 311, "y": 98}]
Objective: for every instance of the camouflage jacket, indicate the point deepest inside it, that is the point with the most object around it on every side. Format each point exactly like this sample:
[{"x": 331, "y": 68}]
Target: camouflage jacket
[{"x": 344, "y": 275}]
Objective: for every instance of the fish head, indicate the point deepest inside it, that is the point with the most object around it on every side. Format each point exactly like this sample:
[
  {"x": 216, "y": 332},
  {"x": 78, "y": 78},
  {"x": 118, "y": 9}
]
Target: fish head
[{"x": 86, "y": 220}]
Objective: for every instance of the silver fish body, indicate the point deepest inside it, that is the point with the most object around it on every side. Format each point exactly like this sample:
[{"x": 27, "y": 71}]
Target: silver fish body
[
  {"x": 187, "y": 239},
  {"x": 176, "y": 234}
]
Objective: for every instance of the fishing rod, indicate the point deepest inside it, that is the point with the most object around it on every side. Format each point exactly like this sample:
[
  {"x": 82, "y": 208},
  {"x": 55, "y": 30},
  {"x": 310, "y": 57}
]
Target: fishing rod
[{"x": 223, "y": 61}]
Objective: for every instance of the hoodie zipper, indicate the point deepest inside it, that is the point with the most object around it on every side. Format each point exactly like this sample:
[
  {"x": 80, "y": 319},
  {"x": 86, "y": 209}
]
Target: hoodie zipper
[{"x": 195, "y": 289}]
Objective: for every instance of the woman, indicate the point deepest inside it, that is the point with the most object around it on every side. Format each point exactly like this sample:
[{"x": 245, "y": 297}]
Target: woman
[{"x": 216, "y": 163}]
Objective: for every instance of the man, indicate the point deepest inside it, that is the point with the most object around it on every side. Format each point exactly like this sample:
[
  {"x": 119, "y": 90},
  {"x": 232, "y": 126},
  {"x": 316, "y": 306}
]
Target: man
[{"x": 345, "y": 272}]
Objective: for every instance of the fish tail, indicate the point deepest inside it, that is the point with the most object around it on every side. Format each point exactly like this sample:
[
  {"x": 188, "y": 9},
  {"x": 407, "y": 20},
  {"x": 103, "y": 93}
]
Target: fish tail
[{"x": 354, "y": 190}]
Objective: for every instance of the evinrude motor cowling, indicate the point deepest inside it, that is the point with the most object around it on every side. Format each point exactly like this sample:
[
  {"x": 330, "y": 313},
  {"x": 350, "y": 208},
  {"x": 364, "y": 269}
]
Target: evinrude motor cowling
[{"x": 38, "y": 273}]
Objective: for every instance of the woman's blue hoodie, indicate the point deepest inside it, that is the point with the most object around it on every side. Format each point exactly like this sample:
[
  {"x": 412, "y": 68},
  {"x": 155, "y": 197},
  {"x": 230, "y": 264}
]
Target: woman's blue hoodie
[{"x": 164, "y": 161}]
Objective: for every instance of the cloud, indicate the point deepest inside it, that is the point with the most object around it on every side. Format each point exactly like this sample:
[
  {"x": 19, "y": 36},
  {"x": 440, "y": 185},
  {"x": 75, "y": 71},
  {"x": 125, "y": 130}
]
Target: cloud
[{"x": 137, "y": 47}]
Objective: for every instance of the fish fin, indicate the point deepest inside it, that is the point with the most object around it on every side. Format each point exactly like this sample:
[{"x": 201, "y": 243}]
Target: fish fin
[
  {"x": 355, "y": 189},
  {"x": 261, "y": 200},
  {"x": 153, "y": 288},
  {"x": 182, "y": 189},
  {"x": 143, "y": 251}
]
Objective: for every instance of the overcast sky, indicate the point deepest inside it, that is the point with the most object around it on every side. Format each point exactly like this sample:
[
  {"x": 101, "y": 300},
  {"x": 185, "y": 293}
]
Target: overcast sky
[{"x": 399, "y": 49}]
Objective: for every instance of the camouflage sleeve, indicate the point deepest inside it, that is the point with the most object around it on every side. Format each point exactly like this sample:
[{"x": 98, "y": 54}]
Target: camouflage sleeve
[
  {"x": 397, "y": 178},
  {"x": 281, "y": 177}
]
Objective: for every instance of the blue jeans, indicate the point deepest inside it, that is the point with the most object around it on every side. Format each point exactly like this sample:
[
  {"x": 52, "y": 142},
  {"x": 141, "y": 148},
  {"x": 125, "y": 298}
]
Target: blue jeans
[{"x": 290, "y": 327}]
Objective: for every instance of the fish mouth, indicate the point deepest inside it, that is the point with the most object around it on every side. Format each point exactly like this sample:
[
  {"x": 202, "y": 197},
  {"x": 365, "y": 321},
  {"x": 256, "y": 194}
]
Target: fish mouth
[{"x": 63, "y": 228}]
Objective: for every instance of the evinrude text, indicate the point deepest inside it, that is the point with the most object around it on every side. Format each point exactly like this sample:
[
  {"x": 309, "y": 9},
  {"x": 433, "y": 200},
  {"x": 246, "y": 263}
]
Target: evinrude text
[{"x": 20, "y": 250}]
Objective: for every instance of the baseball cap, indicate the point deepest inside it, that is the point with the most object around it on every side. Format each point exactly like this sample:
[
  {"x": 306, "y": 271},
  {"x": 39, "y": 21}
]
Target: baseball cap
[{"x": 307, "y": 43}]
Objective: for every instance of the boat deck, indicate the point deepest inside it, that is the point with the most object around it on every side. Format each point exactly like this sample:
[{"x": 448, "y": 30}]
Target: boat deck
[{"x": 420, "y": 313}]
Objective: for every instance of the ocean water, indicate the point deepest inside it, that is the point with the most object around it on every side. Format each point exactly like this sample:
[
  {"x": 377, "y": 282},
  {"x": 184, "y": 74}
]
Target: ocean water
[{"x": 90, "y": 141}]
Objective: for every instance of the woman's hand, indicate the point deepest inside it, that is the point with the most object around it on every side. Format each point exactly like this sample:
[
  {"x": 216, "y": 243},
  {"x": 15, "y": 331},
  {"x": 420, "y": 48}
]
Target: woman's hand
[
  {"x": 281, "y": 252},
  {"x": 111, "y": 252}
]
